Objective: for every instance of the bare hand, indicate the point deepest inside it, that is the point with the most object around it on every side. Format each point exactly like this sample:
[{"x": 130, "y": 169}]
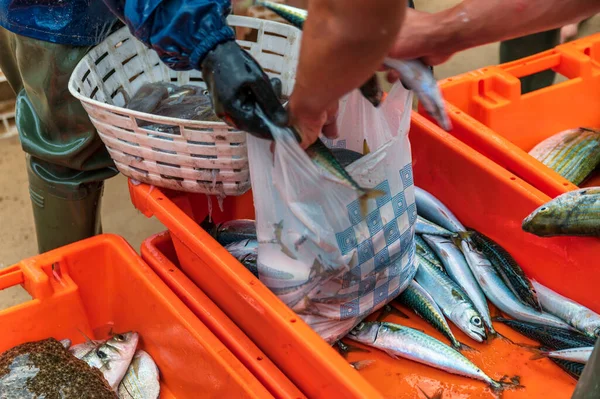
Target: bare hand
[{"x": 312, "y": 124}]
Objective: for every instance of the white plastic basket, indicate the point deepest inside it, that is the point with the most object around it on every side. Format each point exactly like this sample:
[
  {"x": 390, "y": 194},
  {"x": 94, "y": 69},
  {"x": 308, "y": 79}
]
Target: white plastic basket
[{"x": 203, "y": 157}]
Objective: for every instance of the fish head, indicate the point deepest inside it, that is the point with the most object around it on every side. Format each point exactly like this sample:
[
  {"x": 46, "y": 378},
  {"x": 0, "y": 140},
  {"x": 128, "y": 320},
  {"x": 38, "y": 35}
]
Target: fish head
[
  {"x": 544, "y": 219},
  {"x": 597, "y": 332},
  {"x": 365, "y": 332},
  {"x": 115, "y": 355},
  {"x": 472, "y": 321}
]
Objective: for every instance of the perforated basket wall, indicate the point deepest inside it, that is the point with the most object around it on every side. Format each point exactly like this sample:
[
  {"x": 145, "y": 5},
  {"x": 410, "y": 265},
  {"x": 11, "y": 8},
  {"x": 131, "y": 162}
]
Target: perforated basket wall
[{"x": 204, "y": 157}]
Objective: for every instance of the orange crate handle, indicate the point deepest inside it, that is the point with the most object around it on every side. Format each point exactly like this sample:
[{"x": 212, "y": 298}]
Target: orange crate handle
[
  {"x": 30, "y": 274},
  {"x": 10, "y": 277}
]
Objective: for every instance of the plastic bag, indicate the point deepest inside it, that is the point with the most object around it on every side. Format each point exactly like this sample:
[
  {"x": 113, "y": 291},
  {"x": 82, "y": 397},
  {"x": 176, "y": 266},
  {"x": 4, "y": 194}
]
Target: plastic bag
[{"x": 317, "y": 253}]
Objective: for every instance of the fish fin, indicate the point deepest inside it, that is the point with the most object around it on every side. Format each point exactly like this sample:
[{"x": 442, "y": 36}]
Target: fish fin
[
  {"x": 361, "y": 364},
  {"x": 344, "y": 349},
  {"x": 369, "y": 193},
  {"x": 466, "y": 348},
  {"x": 388, "y": 310},
  {"x": 439, "y": 394},
  {"x": 366, "y": 149},
  {"x": 88, "y": 339}
]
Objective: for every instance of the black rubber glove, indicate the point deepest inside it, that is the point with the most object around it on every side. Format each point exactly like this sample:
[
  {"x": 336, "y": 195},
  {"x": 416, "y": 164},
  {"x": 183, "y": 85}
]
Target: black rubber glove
[{"x": 238, "y": 85}]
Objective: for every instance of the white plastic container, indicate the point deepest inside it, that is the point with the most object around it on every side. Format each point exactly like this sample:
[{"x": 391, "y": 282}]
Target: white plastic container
[{"x": 203, "y": 157}]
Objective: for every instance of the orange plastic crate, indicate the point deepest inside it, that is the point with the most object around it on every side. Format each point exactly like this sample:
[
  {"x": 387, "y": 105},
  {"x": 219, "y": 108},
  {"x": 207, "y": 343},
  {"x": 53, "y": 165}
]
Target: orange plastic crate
[
  {"x": 159, "y": 254},
  {"x": 100, "y": 284},
  {"x": 490, "y": 114},
  {"x": 482, "y": 194}
]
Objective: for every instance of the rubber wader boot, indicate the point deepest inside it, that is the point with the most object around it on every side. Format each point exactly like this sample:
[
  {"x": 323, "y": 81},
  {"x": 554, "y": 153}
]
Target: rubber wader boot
[
  {"x": 520, "y": 47},
  {"x": 588, "y": 386},
  {"x": 64, "y": 212}
]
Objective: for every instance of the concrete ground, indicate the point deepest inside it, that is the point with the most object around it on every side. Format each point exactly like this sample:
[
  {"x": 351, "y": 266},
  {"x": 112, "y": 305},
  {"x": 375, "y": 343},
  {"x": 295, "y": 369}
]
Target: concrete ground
[{"x": 17, "y": 235}]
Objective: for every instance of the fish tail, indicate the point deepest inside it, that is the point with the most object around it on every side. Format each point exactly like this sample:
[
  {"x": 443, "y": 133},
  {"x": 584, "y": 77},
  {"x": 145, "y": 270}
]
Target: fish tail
[
  {"x": 464, "y": 347},
  {"x": 391, "y": 310},
  {"x": 368, "y": 194},
  {"x": 361, "y": 364},
  {"x": 538, "y": 354},
  {"x": 344, "y": 349},
  {"x": 506, "y": 383}
]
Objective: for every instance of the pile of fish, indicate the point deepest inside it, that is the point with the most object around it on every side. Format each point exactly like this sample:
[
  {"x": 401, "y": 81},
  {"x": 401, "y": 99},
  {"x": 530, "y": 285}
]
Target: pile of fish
[
  {"x": 112, "y": 368},
  {"x": 455, "y": 264},
  {"x": 575, "y": 155}
]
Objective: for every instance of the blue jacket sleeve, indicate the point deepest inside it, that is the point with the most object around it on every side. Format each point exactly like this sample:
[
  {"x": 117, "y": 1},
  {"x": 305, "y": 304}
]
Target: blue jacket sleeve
[{"x": 181, "y": 31}]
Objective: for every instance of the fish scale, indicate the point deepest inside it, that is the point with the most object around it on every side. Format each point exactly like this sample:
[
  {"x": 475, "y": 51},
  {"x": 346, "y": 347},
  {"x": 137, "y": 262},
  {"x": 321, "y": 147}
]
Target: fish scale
[
  {"x": 507, "y": 267},
  {"x": 550, "y": 337},
  {"x": 573, "y": 153},
  {"x": 574, "y": 369},
  {"x": 420, "y": 301}
]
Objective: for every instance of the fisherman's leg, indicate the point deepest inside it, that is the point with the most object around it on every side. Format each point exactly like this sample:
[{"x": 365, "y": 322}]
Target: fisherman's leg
[
  {"x": 67, "y": 162},
  {"x": 514, "y": 49},
  {"x": 588, "y": 386}
]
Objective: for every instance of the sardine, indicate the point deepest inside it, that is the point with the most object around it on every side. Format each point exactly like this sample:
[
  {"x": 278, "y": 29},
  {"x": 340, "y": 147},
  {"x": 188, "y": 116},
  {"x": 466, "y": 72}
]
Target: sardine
[
  {"x": 112, "y": 356},
  {"x": 147, "y": 98},
  {"x": 45, "y": 369},
  {"x": 420, "y": 301},
  {"x": 499, "y": 294},
  {"x": 573, "y": 154},
  {"x": 577, "y": 355},
  {"x": 576, "y": 213},
  {"x": 453, "y": 301},
  {"x": 423, "y": 249},
  {"x": 435, "y": 211},
  {"x": 458, "y": 269},
  {"x": 424, "y": 226},
  {"x": 414, "y": 74},
  {"x": 550, "y": 337},
  {"x": 580, "y": 317},
  {"x": 507, "y": 267},
  {"x": 399, "y": 341},
  {"x": 142, "y": 379}
]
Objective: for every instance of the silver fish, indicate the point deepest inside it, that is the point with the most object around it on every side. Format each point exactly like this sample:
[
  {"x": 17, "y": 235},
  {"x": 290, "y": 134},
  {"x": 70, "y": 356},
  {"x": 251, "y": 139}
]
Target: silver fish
[
  {"x": 112, "y": 356},
  {"x": 399, "y": 341},
  {"x": 424, "y": 226},
  {"x": 499, "y": 294},
  {"x": 458, "y": 269},
  {"x": 580, "y": 317},
  {"x": 577, "y": 355},
  {"x": 435, "y": 211},
  {"x": 576, "y": 213},
  {"x": 425, "y": 250},
  {"x": 420, "y": 301},
  {"x": 453, "y": 301},
  {"x": 142, "y": 378},
  {"x": 418, "y": 77}
]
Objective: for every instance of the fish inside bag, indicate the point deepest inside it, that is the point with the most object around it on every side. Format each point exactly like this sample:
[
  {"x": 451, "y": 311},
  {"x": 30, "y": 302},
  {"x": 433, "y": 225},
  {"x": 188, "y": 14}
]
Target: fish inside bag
[{"x": 317, "y": 252}]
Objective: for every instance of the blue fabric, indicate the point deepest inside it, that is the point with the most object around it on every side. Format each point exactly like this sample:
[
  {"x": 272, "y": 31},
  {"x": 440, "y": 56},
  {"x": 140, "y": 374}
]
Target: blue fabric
[
  {"x": 71, "y": 22},
  {"x": 181, "y": 31}
]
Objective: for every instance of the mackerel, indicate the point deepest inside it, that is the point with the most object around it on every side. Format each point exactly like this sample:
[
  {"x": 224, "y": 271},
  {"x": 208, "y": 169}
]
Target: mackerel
[
  {"x": 576, "y": 355},
  {"x": 458, "y": 269},
  {"x": 550, "y": 337},
  {"x": 452, "y": 300},
  {"x": 404, "y": 342},
  {"x": 577, "y": 315},
  {"x": 424, "y": 226},
  {"x": 423, "y": 249},
  {"x": 432, "y": 209}
]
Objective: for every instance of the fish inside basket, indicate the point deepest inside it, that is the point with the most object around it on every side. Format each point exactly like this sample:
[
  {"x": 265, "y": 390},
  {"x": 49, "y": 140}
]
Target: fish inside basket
[{"x": 192, "y": 156}]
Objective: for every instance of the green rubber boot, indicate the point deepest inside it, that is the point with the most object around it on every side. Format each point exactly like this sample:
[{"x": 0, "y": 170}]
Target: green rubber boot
[
  {"x": 64, "y": 212},
  {"x": 521, "y": 47}
]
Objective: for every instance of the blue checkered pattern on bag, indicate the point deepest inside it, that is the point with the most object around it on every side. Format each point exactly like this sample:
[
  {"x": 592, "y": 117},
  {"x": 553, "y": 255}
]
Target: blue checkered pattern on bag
[
  {"x": 383, "y": 242},
  {"x": 334, "y": 143}
]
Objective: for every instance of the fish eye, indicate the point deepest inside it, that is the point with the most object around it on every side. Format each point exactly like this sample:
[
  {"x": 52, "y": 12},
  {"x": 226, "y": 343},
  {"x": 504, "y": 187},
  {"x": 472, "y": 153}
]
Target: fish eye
[
  {"x": 119, "y": 337},
  {"x": 205, "y": 92},
  {"x": 101, "y": 354},
  {"x": 543, "y": 209},
  {"x": 476, "y": 321}
]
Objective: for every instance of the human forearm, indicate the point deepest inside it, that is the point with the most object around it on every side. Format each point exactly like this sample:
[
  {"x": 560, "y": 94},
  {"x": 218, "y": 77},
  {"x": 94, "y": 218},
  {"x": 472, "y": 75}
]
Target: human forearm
[
  {"x": 343, "y": 44},
  {"x": 476, "y": 22}
]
